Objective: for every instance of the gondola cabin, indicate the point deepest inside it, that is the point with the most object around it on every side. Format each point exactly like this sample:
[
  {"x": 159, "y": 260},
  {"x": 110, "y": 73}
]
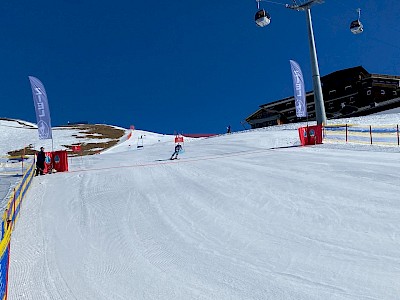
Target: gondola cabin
[
  {"x": 356, "y": 27},
  {"x": 262, "y": 18}
]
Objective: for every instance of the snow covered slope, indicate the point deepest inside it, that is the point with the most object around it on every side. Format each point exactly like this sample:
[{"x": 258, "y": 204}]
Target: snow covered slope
[{"x": 240, "y": 216}]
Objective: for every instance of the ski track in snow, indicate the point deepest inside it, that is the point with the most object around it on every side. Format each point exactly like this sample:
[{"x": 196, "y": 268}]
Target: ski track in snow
[{"x": 232, "y": 219}]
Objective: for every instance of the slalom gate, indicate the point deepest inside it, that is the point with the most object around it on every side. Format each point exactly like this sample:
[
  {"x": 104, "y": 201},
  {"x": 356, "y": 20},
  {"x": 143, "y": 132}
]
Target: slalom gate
[
  {"x": 384, "y": 135},
  {"x": 7, "y": 225}
]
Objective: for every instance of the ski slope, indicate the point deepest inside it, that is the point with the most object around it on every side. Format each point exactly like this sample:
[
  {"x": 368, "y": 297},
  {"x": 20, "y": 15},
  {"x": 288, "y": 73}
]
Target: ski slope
[{"x": 242, "y": 216}]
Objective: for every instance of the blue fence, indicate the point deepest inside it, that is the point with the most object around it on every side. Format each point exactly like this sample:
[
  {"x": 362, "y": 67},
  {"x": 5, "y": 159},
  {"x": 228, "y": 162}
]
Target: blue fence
[
  {"x": 363, "y": 134},
  {"x": 8, "y": 221}
]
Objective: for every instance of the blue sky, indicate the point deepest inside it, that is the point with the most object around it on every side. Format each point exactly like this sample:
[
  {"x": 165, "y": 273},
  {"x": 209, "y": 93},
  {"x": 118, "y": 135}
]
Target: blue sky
[{"x": 187, "y": 66}]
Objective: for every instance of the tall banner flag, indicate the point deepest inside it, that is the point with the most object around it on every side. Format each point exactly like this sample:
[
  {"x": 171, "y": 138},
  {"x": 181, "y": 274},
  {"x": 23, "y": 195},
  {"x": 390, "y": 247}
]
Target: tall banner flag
[
  {"x": 299, "y": 90},
  {"x": 42, "y": 108}
]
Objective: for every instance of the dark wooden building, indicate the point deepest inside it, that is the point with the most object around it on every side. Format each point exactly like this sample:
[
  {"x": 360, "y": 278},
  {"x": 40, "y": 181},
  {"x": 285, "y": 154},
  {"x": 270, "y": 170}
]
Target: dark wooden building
[{"x": 347, "y": 93}]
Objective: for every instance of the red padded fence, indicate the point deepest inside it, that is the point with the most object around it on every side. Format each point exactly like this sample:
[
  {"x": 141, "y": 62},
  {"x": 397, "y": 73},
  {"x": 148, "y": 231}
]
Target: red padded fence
[{"x": 310, "y": 135}]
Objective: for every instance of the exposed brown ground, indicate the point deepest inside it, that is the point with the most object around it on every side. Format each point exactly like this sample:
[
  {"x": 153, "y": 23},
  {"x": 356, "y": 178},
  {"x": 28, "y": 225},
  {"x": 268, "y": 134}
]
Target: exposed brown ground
[
  {"x": 86, "y": 131},
  {"x": 23, "y": 124}
]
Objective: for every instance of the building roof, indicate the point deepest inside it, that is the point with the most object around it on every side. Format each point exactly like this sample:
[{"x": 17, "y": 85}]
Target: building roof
[{"x": 331, "y": 81}]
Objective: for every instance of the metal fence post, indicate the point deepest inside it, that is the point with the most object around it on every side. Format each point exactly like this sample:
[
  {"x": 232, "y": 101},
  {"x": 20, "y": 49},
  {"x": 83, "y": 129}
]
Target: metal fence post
[{"x": 370, "y": 133}]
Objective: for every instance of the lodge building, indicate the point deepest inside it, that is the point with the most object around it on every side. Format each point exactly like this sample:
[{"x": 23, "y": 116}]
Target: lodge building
[{"x": 350, "y": 92}]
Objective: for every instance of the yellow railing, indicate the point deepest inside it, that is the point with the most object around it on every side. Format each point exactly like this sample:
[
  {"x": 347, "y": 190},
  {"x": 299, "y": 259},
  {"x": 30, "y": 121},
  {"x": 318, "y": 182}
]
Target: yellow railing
[{"x": 10, "y": 216}]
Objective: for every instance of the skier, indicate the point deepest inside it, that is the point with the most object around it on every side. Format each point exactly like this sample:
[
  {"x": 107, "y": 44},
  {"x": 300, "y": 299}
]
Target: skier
[
  {"x": 228, "y": 129},
  {"x": 178, "y": 148},
  {"x": 41, "y": 157}
]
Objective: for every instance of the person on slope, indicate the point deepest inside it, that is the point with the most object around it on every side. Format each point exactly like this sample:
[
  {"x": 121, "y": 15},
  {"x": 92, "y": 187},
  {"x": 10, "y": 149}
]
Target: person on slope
[
  {"x": 178, "y": 148},
  {"x": 228, "y": 129},
  {"x": 41, "y": 157}
]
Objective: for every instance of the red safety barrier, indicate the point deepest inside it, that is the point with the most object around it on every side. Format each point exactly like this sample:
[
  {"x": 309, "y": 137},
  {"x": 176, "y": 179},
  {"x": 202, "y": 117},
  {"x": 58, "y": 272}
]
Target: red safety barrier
[
  {"x": 47, "y": 162},
  {"x": 310, "y": 135},
  {"x": 60, "y": 161},
  {"x": 57, "y": 160}
]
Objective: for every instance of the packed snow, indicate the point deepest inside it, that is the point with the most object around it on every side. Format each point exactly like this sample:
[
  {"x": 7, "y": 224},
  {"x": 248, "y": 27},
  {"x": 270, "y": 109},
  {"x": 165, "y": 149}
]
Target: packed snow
[{"x": 248, "y": 215}]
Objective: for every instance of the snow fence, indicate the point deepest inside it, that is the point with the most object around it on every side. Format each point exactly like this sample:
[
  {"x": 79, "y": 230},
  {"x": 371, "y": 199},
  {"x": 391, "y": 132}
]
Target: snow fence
[
  {"x": 7, "y": 225},
  {"x": 386, "y": 135}
]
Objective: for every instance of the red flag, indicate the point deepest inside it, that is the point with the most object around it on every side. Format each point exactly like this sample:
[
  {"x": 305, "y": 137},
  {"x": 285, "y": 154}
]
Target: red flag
[
  {"x": 76, "y": 148},
  {"x": 179, "y": 139}
]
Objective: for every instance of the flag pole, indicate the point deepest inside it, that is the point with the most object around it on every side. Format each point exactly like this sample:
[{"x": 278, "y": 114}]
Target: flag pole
[
  {"x": 42, "y": 111},
  {"x": 52, "y": 151},
  {"x": 307, "y": 117}
]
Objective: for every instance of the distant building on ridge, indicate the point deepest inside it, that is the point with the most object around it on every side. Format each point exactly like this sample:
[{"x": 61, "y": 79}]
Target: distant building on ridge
[
  {"x": 350, "y": 92},
  {"x": 77, "y": 123}
]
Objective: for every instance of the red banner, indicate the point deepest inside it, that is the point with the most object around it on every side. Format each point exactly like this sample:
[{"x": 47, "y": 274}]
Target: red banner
[
  {"x": 60, "y": 160},
  {"x": 310, "y": 135}
]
